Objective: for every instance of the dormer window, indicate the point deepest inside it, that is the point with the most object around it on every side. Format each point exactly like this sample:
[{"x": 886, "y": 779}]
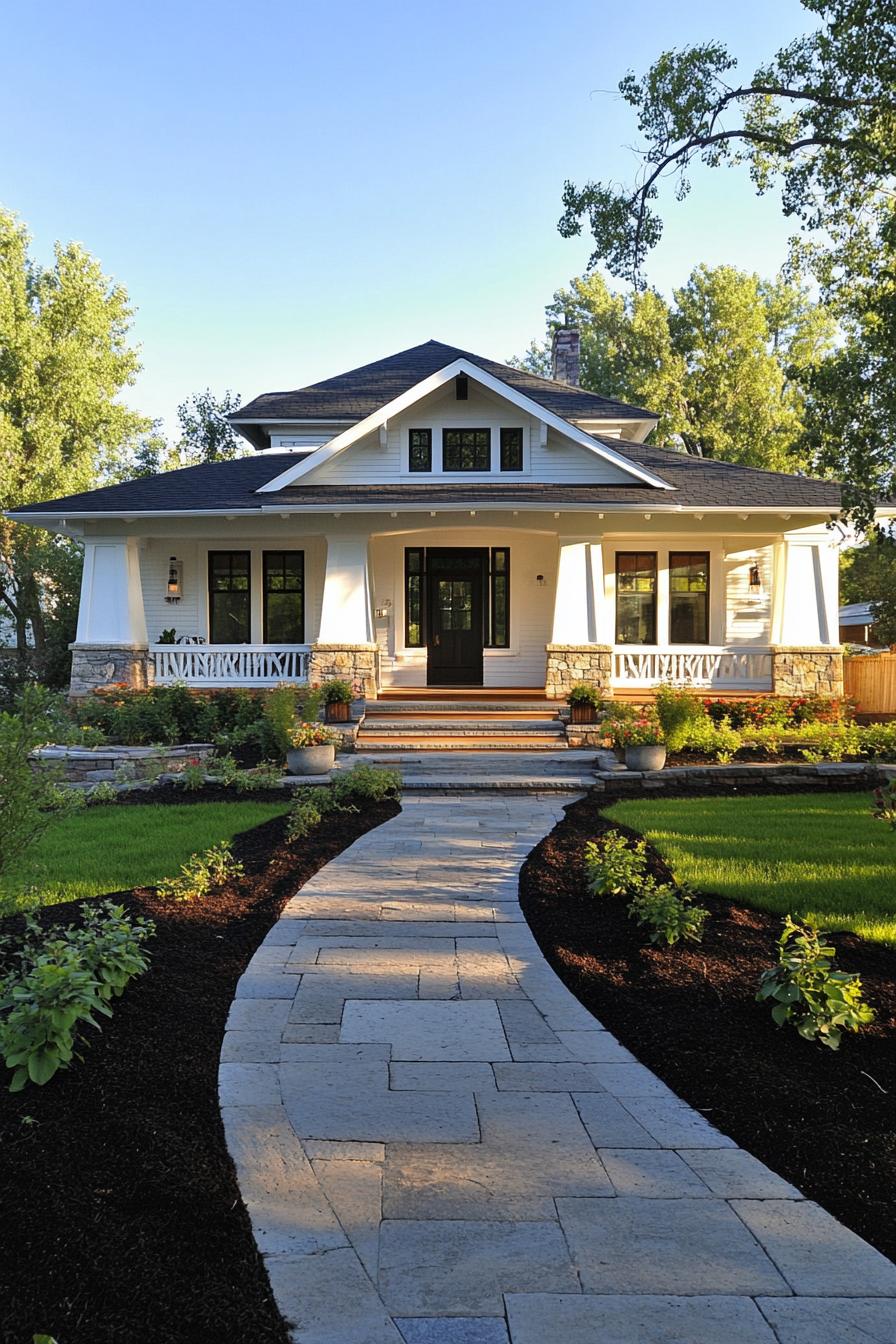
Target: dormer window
[
  {"x": 420, "y": 450},
  {"x": 511, "y": 450},
  {"x": 466, "y": 450}
]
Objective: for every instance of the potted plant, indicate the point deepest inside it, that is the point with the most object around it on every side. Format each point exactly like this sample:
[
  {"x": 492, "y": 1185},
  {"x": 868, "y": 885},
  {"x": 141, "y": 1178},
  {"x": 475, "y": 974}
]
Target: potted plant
[
  {"x": 643, "y": 743},
  {"x": 584, "y": 702},
  {"x": 337, "y": 697},
  {"x": 312, "y": 749}
]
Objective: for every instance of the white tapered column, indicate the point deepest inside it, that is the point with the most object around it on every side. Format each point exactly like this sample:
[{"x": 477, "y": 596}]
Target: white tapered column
[
  {"x": 345, "y": 648},
  {"x": 580, "y": 647},
  {"x": 111, "y": 642}
]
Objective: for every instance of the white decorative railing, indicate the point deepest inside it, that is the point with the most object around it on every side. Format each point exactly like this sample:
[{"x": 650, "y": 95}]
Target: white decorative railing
[
  {"x": 229, "y": 664},
  {"x": 736, "y": 669}
]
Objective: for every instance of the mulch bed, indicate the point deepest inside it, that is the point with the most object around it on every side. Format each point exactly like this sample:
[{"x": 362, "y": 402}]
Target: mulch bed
[
  {"x": 824, "y": 1120},
  {"x": 122, "y": 1219}
]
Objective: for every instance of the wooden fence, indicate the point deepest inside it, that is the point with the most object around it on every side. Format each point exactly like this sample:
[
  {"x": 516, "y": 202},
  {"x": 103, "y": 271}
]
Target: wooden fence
[{"x": 870, "y": 680}]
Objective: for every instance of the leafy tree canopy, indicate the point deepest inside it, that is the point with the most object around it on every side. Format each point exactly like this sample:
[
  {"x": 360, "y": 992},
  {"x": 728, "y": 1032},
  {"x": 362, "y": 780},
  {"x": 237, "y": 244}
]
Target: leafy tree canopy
[
  {"x": 714, "y": 364},
  {"x": 819, "y": 121},
  {"x": 868, "y": 574}
]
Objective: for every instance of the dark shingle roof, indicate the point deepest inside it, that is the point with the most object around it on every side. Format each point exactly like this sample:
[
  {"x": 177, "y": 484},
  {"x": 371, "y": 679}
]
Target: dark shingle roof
[
  {"x": 221, "y": 486},
  {"x": 360, "y": 392}
]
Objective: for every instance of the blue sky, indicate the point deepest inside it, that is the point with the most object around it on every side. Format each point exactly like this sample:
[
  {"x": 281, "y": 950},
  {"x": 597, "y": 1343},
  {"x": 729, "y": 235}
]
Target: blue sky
[{"x": 290, "y": 189}]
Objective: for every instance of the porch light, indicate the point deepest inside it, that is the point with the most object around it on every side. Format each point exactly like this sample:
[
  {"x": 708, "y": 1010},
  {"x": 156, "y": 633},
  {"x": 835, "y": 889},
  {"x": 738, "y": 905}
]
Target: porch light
[
  {"x": 539, "y": 579},
  {"x": 174, "y": 590},
  {"x": 755, "y": 579}
]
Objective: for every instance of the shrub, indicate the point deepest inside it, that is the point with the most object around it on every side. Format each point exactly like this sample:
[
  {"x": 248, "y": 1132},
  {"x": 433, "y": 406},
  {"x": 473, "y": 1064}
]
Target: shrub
[
  {"x": 280, "y": 716},
  {"x": 104, "y": 792},
  {"x": 303, "y": 817},
  {"x": 65, "y": 976},
  {"x": 718, "y": 740},
  {"x": 677, "y": 708},
  {"x": 584, "y": 694},
  {"x": 333, "y": 692},
  {"x": 613, "y": 866},
  {"x": 200, "y": 873},
  {"x": 668, "y": 912},
  {"x": 885, "y": 803},
  {"x": 878, "y": 741},
  {"x": 28, "y": 795},
  {"x": 806, "y": 991},
  {"x": 265, "y": 775},
  {"x": 366, "y": 784},
  {"x": 192, "y": 777}
]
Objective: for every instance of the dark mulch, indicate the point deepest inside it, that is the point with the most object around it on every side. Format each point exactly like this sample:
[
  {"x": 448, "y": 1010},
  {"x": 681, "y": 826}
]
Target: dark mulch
[
  {"x": 122, "y": 1220},
  {"x": 825, "y": 1120}
]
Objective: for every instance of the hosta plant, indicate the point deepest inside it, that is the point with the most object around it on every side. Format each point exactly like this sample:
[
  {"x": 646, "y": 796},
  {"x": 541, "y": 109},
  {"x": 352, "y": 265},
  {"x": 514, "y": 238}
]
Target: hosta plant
[
  {"x": 668, "y": 912},
  {"x": 807, "y": 992},
  {"x": 613, "y": 866}
]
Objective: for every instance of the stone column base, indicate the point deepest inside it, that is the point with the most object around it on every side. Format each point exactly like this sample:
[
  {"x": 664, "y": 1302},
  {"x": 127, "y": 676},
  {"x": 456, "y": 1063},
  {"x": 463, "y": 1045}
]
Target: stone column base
[
  {"x": 569, "y": 664},
  {"x": 812, "y": 670},
  {"x": 96, "y": 665},
  {"x": 358, "y": 664}
]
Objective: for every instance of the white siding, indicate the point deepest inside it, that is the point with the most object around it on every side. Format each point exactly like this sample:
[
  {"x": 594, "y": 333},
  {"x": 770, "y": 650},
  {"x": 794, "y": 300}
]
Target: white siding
[{"x": 748, "y": 613}]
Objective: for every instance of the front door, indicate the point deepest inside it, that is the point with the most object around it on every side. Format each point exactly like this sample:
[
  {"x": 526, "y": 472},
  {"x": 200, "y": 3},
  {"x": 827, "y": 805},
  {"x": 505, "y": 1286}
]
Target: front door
[{"x": 456, "y": 582}]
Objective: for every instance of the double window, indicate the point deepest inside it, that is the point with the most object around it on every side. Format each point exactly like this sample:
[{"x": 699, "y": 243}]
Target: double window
[
  {"x": 230, "y": 597},
  {"x": 636, "y": 597}
]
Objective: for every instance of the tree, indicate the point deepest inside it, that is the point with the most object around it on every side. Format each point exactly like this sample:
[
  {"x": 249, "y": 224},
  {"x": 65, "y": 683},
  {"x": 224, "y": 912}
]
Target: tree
[
  {"x": 713, "y": 364},
  {"x": 64, "y": 360},
  {"x": 206, "y": 433},
  {"x": 819, "y": 120},
  {"x": 868, "y": 574}
]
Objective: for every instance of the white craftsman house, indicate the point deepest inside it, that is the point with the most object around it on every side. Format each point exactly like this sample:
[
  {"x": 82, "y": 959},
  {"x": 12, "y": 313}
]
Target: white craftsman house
[{"x": 439, "y": 519}]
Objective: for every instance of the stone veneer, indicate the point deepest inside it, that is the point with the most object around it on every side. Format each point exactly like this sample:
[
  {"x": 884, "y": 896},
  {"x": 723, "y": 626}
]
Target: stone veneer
[
  {"x": 96, "y": 665},
  {"x": 810, "y": 670},
  {"x": 357, "y": 664},
  {"x": 113, "y": 764},
  {"x": 569, "y": 664}
]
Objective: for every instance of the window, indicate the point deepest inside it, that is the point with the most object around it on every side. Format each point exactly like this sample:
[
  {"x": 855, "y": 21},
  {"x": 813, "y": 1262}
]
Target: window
[
  {"x": 636, "y": 597},
  {"x": 284, "y": 597},
  {"x": 228, "y": 597},
  {"x": 500, "y": 597},
  {"x": 689, "y": 597},
  {"x": 511, "y": 450},
  {"x": 466, "y": 450},
  {"x": 420, "y": 450},
  {"x": 413, "y": 597}
]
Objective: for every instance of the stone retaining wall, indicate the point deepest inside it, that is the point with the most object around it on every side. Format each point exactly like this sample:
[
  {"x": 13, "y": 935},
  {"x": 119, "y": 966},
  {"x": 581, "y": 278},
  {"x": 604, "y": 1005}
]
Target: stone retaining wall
[
  {"x": 93, "y": 765},
  {"x": 728, "y": 779},
  {"x": 569, "y": 664}
]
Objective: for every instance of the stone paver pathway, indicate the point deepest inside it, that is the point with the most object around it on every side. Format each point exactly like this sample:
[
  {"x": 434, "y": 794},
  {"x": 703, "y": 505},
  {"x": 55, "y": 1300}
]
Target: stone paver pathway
[{"x": 437, "y": 1144}]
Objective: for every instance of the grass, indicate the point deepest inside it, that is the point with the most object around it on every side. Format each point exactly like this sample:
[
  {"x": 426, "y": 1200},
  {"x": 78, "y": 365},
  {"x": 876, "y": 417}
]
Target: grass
[
  {"x": 111, "y": 848},
  {"x": 822, "y": 857}
]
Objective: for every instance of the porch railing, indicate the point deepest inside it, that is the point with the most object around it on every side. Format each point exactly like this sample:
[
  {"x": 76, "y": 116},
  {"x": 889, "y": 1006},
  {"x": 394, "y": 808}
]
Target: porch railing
[
  {"x": 229, "y": 664},
  {"x": 734, "y": 669}
]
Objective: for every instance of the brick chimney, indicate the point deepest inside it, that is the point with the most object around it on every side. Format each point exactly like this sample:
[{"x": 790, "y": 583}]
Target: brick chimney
[{"x": 565, "y": 355}]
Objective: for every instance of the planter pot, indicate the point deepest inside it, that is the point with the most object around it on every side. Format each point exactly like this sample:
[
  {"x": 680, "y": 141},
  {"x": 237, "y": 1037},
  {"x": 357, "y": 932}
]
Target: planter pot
[
  {"x": 339, "y": 711},
  {"x": 646, "y": 757},
  {"x": 311, "y": 760},
  {"x": 582, "y": 714}
]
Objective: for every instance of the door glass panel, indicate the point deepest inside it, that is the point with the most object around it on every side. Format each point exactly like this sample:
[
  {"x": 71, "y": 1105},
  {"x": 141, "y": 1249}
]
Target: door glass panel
[{"x": 455, "y": 604}]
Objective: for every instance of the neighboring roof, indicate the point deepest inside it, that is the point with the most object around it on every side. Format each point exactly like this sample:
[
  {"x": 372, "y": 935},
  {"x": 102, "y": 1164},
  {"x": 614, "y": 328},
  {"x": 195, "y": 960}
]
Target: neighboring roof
[
  {"x": 856, "y": 613},
  {"x": 217, "y": 487},
  {"x": 358, "y": 393}
]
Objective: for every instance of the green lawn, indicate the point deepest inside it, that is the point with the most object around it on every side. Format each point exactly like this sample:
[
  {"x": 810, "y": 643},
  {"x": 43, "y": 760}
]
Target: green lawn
[
  {"x": 109, "y": 848},
  {"x": 822, "y": 856}
]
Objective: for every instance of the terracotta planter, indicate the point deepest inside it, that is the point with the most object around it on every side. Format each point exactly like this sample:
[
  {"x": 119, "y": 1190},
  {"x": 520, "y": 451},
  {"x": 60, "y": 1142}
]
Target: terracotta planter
[
  {"x": 646, "y": 757},
  {"x": 338, "y": 711},
  {"x": 311, "y": 760},
  {"x": 582, "y": 713}
]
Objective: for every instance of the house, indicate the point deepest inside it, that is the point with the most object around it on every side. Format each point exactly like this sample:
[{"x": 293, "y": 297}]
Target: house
[
  {"x": 856, "y": 622},
  {"x": 439, "y": 519}
]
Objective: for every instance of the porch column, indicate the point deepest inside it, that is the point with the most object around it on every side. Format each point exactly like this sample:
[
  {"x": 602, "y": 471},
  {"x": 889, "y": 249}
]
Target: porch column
[
  {"x": 580, "y": 648},
  {"x": 345, "y": 648},
  {"x": 111, "y": 642},
  {"x": 806, "y": 657}
]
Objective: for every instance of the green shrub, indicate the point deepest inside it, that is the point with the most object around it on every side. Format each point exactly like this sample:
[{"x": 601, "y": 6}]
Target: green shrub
[
  {"x": 806, "y": 991},
  {"x": 335, "y": 692},
  {"x": 366, "y": 784},
  {"x": 613, "y": 866},
  {"x": 29, "y": 796},
  {"x": 200, "y": 874},
  {"x": 62, "y": 979},
  {"x": 192, "y": 776},
  {"x": 265, "y": 775},
  {"x": 668, "y": 912},
  {"x": 677, "y": 709},
  {"x": 878, "y": 741},
  {"x": 104, "y": 792},
  {"x": 304, "y": 817},
  {"x": 585, "y": 694},
  {"x": 718, "y": 740}
]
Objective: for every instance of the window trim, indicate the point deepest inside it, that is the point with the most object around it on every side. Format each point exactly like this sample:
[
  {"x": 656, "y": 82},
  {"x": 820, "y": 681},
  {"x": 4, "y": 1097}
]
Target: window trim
[
  {"x": 212, "y": 592},
  {"x": 418, "y": 471},
  {"x": 265, "y": 592},
  {"x": 647, "y": 643},
  {"x": 707, "y": 555},
  {"x": 466, "y": 429}
]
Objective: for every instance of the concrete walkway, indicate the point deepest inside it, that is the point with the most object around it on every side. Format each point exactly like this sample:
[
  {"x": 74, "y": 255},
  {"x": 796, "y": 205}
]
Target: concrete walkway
[{"x": 438, "y": 1145}]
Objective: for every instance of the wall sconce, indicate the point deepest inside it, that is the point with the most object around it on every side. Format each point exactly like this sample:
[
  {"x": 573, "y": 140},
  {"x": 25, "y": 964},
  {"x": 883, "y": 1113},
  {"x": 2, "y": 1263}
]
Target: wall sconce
[
  {"x": 381, "y": 613},
  {"x": 539, "y": 579},
  {"x": 755, "y": 579},
  {"x": 174, "y": 590}
]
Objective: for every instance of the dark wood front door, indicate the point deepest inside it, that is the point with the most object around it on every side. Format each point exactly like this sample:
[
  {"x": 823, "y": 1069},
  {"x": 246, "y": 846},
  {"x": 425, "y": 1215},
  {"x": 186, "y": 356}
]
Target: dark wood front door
[{"x": 456, "y": 582}]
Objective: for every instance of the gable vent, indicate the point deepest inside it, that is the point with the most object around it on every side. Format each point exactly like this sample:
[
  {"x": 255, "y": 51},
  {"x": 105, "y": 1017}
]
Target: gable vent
[{"x": 461, "y": 387}]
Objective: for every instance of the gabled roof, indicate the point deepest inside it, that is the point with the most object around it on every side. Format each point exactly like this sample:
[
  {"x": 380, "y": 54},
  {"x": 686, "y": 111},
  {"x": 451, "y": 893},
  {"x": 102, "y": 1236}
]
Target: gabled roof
[{"x": 360, "y": 392}]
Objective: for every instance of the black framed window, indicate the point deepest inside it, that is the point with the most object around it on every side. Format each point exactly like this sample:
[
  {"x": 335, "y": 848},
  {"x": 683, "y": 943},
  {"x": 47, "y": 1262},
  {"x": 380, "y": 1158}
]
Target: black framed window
[
  {"x": 499, "y": 580},
  {"x": 511, "y": 450},
  {"x": 283, "y": 594},
  {"x": 414, "y": 573},
  {"x": 689, "y": 597},
  {"x": 229, "y": 610},
  {"x": 466, "y": 450},
  {"x": 636, "y": 597},
  {"x": 420, "y": 450}
]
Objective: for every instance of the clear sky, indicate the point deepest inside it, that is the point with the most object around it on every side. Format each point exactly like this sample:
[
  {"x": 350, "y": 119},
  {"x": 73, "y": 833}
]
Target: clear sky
[{"x": 288, "y": 190}]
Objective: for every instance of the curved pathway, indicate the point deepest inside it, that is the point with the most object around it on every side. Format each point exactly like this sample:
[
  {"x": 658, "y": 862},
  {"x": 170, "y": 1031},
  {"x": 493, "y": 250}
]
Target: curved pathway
[{"x": 437, "y": 1144}]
